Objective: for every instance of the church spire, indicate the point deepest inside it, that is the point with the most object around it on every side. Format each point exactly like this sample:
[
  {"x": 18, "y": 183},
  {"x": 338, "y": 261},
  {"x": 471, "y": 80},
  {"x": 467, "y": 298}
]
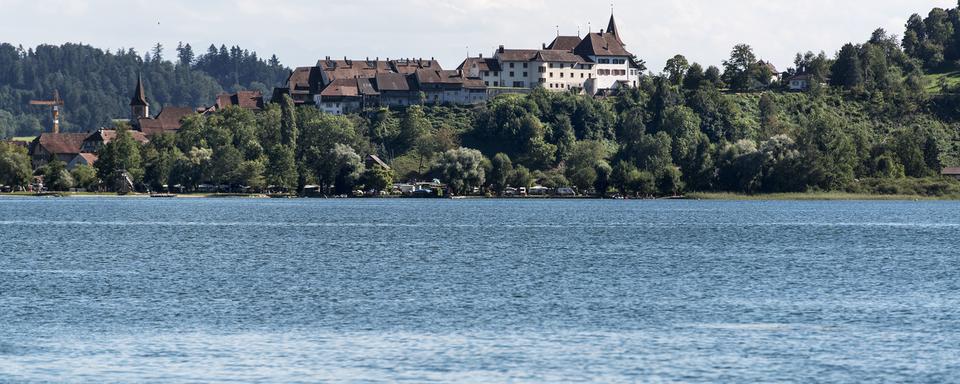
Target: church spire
[
  {"x": 139, "y": 107},
  {"x": 139, "y": 97}
]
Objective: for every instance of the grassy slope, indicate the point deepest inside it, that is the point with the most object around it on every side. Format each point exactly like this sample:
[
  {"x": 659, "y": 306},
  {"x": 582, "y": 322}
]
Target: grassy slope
[
  {"x": 934, "y": 80},
  {"x": 812, "y": 196}
]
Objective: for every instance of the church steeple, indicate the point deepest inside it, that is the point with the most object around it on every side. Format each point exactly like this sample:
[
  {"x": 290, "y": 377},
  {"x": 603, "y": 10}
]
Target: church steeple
[
  {"x": 139, "y": 107},
  {"x": 612, "y": 28}
]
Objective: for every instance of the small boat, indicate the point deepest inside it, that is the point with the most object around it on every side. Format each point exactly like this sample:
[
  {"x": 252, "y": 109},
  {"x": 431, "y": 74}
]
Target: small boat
[{"x": 163, "y": 195}]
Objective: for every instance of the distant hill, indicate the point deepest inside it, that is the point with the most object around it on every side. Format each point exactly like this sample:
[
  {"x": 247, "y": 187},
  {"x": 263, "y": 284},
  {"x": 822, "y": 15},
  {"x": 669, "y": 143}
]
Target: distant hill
[{"x": 96, "y": 85}]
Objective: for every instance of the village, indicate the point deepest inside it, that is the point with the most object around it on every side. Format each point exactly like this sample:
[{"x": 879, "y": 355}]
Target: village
[{"x": 596, "y": 64}]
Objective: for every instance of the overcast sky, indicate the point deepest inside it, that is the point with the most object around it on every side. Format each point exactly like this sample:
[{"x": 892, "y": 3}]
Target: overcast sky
[{"x": 300, "y": 31}]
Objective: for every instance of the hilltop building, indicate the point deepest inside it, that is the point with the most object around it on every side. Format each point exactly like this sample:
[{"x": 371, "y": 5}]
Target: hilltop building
[
  {"x": 594, "y": 64},
  {"x": 344, "y": 86}
]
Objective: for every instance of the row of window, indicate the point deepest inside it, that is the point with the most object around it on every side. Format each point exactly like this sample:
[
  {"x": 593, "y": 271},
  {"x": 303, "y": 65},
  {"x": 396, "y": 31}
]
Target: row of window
[
  {"x": 612, "y": 61},
  {"x": 612, "y": 72},
  {"x": 601, "y": 72}
]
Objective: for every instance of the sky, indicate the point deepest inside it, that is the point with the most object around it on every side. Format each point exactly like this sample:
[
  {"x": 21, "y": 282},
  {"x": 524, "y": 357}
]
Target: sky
[{"x": 300, "y": 32}]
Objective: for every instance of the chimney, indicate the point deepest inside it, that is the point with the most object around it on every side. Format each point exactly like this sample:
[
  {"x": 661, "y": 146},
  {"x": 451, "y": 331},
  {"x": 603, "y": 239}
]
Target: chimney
[
  {"x": 481, "y": 55},
  {"x": 544, "y": 45},
  {"x": 601, "y": 31},
  {"x": 501, "y": 49}
]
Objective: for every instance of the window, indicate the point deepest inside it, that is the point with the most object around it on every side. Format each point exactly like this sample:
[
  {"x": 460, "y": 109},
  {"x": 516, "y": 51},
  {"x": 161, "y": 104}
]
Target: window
[
  {"x": 581, "y": 75},
  {"x": 511, "y": 65},
  {"x": 561, "y": 65},
  {"x": 561, "y": 75},
  {"x": 524, "y": 65},
  {"x": 542, "y": 80},
  {"x": 511, "y": 74},
  {"x": 525, "y": 74},
  {"x": 551, "y": 74},
  {"x": 543, "y": 69},
  {"x": 551, "y": 65},
  {"x": 496, "y": 73},
  {"x": 496, "y": 83},
  {"x": 487, "y": 83},
  {"x": 604, "y": 61},
  {"x": 486, "y": 73},
  {"x": 518, "y": 84}
]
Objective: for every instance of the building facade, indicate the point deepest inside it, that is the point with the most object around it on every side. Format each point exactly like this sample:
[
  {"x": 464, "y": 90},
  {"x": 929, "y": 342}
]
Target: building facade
[{"x": 596, "y": 63}]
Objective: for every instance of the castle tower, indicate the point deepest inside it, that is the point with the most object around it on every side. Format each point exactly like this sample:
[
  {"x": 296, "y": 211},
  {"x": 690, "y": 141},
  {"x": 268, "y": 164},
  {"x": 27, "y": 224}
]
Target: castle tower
[
  {"x": 612, "y": 28},
  {"x": 139, "y": 107}
]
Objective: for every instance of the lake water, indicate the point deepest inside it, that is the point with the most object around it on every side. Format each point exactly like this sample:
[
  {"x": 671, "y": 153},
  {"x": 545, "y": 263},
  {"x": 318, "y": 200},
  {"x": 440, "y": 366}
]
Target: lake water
[{"x": 207, "y": 290}]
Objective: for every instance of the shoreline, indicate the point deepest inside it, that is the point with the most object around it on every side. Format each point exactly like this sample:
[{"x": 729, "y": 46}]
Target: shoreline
[{"x": 712, "y": 196}]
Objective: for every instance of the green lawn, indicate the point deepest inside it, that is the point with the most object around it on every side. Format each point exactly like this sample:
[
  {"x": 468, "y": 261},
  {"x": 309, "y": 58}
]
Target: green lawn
[
  {"x": 934, "y": 80},
  {"x": 23, "y": 138},
  {"x": 810, "y": 196}
]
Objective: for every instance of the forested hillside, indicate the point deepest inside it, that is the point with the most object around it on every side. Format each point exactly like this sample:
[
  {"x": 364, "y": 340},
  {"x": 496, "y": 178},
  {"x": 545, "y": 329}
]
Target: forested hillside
[{"x": 96, "y": 85}]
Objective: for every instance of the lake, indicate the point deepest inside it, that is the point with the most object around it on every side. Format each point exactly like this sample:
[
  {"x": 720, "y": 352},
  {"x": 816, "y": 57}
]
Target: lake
[{"x": 211, "y": 290}]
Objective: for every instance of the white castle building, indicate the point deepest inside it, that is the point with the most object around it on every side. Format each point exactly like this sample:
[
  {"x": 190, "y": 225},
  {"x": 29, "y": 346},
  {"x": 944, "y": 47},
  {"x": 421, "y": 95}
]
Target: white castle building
[{"x": 596, "y": 63}]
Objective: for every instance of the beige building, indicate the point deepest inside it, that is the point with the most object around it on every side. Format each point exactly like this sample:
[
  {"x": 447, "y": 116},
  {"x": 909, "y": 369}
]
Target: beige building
[{"x": 595, "y": 63}]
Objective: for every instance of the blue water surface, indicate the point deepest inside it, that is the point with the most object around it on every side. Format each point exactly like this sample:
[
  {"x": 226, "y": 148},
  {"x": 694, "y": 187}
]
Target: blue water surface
[{"x": 209, "y": 290}]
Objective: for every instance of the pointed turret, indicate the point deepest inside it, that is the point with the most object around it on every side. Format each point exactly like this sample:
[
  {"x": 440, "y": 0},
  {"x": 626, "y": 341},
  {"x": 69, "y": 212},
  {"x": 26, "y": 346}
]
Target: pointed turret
[
  {"x": 139, "y": 107},
  {"x": 139, "y": 98},
  {"x": 612, "y": 29}
]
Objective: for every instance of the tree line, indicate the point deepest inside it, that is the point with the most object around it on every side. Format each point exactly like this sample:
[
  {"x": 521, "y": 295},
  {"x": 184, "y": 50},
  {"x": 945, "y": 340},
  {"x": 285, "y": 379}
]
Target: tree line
[{"x": 96, "y": 85}]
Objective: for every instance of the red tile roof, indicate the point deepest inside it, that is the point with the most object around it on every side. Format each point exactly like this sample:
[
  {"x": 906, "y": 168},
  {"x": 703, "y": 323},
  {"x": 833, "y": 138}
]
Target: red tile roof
[
  {"x": 565, "y": 43},
  {"x": 59, "y": 143},
  {"x": 105, "y": 136},
  {"x": 252, "y": 100},
  {"x": 90, "y": 158},
  {"x": 392, "y": 82},
  {"x": 169, "y": 120},
  {"x": 482, "y": 64},
  {"x": 341, "y": 88},
  {"x": 601, "y": 44}
]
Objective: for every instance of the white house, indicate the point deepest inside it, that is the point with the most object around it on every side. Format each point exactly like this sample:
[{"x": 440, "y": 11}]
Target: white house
[{"x": 596, "y": 63}]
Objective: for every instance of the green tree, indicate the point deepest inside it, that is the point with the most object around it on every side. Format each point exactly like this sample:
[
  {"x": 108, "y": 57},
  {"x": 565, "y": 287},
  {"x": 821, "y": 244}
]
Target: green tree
[
  {"x": 289, "y": 128},
  {"x": 462, "y": 168},
  {"x": 15, "y": 169},
  {"x": 521, "y": 177},
  {"x": 847, "y": 71},
  {"x": 413, "y": 126},
  {"x": 740, "y": 69},
  {"x": 670, "y": 181},
  {"x": 281, "y": 168},
  {"x": 676, "y": 69},
  {"x": 122, "y": 154},
  {"x": 581, "y": 167},
  {"x": 85, "y": 176},
  {"x": 695, "y": 77},
  {"x": 378, "y": 178},
  {"x": 602, "y": 183},
  {"x": 159, "y": 157},
  {"x": 502, "y": 169},
  {"x": 56, "y": 177}
]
